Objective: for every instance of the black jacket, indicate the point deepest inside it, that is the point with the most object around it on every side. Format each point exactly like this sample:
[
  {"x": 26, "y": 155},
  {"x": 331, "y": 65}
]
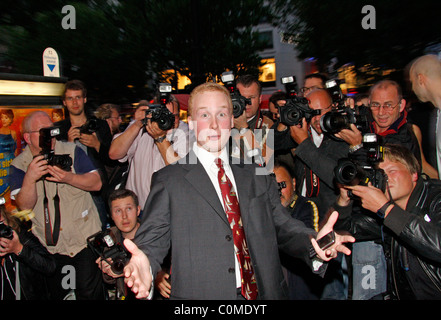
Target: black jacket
[
  {"x": 321, "y": 161},
  {"x": 412, "y": 240},
  {"x": 35, "y": 263}
]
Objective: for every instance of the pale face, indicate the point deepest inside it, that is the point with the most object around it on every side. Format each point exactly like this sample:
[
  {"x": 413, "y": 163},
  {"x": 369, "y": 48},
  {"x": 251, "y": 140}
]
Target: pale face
[
  {"x": 401, "y": 182},
  {"x": 251, "y": 92},
  {"x": 211, "y": 120},
  {"x": 74, "y": 102},
  {"x": 125, "y": 214},
  {"x": 385, "y": 118}
]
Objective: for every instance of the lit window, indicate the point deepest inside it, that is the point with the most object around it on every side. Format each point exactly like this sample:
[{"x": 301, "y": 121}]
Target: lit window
[{"x": 268, "y": 71}]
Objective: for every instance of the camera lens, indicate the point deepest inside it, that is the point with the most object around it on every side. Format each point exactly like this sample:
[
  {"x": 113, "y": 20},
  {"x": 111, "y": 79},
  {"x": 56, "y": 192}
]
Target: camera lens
[
  {"x": 346, "y": 173},
  {"x": 237, "y": 108},
  {"x": 118, "y": 265},
  {"x": 333, "y": 123}
]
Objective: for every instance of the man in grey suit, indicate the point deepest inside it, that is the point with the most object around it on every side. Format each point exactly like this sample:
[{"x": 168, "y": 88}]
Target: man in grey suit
[{"x": 185, "y": 210}]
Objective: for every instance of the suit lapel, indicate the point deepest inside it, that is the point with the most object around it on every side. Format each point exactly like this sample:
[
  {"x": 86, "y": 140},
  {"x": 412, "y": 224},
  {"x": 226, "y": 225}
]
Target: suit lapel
[{"x": 200, "y": 180}]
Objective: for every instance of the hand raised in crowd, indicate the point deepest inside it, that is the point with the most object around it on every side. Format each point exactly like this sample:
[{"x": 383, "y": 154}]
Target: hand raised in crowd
[
  {"x": 338, "y": 246},
  {"x": 299, "y": 133},
  {"x": 90, "y": 140},
  {"x": 153, "y": 129},
  {"x": 37, "y": 168},
  {"x": 105, "y": 266},
  {"x": 10, "y": 245},
  {"x": 73, "y": 134},
  {"x": 372, "y": 198},
  {"x": 351, "y": 136},
  {"x": 59, "y": 175},
  {"x": 139, "y": 114}
]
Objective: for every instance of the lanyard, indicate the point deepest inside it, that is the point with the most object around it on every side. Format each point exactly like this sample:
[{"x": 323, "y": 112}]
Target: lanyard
[{"x": 51, "y": 234}]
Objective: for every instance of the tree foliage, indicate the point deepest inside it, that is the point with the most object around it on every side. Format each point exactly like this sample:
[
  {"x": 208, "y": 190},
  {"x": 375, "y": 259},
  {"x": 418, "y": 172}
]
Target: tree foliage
[
  {"x": 327, "y": 29},
  {"x": 118, "y": 46}
]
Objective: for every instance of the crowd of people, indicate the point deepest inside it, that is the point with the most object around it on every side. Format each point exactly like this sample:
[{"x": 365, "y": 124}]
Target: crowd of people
[{"x": 228, "y": 207}]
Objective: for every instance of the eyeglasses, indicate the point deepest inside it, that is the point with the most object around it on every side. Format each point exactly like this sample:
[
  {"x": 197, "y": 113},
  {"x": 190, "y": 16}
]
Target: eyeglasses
[
  {"x": 73, "y": 98},
  {"x": 119, "y": 118},
  {"x": 388, "y": 106},
  {"x": 307, "y": 89}
]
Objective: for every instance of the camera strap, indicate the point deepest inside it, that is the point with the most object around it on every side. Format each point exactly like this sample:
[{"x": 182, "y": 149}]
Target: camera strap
[
  {"x": 312, "y": 183},
  {"x": 51, "y": 234}
]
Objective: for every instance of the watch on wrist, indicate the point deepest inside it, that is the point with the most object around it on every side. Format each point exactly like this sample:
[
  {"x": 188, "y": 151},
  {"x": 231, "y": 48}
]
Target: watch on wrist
[
  {"x": 160, "y": 139},
  {"x": 355, "y": 148},
  {"x": 382, "y": 211}
]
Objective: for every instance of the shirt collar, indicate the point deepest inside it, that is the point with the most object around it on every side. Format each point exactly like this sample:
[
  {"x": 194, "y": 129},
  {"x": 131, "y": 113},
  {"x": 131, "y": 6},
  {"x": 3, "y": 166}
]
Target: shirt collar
[{"x": 207, "y": 158}]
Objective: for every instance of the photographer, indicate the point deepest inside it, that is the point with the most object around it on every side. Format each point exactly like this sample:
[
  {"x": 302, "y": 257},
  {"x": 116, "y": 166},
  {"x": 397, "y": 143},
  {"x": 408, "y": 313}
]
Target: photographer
[
  {"x": 252, "y": 128},
  {"x": 65, "y": 214},
  {"x": 387, "y": 108},
  {"x": 22, "y": 255},
  {"x": 89, "y": 133},
  {"x": 302, "y": 284},
  {"x": 407, "y": 217},
  {"x": 125, "y": 210},
  {"x": 147, "y": 148},
  {"x": 316, "y": 156}
]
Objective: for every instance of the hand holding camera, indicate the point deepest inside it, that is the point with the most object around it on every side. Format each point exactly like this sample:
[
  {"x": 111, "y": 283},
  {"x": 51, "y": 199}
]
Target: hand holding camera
[{"x": 9, "y": 241}]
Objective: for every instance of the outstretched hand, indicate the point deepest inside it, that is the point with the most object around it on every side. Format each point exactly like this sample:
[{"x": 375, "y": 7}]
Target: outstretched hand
[
  {"x": 137, "y": 272},
  {"x": 338, "y": 246}
]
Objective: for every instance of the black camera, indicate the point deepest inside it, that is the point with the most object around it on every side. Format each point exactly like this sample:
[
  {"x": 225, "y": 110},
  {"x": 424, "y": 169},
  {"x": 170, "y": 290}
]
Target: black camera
[
  {"x": 105, "y": 246},
  {"x": 296, "y": 108},
  {"x": 90, "y": 126},
  {"x": 239, "y": 101},
  {"x": 6, "y": 231},
  {"x": 161, "y": 115},
  {"x": 334, "y": 89},
  {"x": 342, "y": 117},
  {"x": 63, "y": 161},
  {"x": 290, "y": 84},
  {"x": 360, "y": 170},
  {"x": 164, "y": 92}
]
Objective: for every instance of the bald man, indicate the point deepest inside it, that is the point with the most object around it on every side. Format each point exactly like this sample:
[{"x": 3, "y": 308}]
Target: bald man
[{"x": 425, "y": 76}]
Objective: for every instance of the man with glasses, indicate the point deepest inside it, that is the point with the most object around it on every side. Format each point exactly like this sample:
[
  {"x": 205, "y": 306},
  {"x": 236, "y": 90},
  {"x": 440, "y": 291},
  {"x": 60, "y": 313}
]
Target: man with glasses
[
  {"x": 387, "y": 107},
  {"x": 388, "y": 110},
  {"x": 65, "y": 214},
  {"x": 313, "y": 81}
]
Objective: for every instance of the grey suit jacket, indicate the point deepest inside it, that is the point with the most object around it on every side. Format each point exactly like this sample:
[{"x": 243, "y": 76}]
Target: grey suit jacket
[{"x": 183, "y": 211}]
